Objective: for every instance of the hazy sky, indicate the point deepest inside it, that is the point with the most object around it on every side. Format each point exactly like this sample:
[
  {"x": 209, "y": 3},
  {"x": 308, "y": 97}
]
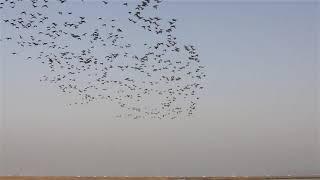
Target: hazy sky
[{"x": 257, "y": 115}]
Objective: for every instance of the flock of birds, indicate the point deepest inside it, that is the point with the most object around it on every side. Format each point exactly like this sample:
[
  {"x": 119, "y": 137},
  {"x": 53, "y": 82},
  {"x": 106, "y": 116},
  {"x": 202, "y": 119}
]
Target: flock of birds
[{"x": 98, "y": 62}]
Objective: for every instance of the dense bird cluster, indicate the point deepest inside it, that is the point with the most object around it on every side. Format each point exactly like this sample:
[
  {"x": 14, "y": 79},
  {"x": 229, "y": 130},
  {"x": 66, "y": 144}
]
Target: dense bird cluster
[{"x": 162, "y": 81}]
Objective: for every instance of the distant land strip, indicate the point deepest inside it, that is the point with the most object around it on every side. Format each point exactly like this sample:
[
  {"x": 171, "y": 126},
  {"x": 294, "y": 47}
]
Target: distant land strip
[{"x": 155, "y": 178}]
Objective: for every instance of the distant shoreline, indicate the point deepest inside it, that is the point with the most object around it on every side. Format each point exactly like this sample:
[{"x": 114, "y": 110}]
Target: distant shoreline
[{"x": 152, "y": 177}]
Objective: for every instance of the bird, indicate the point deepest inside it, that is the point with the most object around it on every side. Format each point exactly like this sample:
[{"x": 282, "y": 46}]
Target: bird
[{"x": 164, "y": 67}]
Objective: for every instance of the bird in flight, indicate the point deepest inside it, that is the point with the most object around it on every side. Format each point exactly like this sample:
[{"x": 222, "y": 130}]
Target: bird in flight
[{"x": 98, "y": 59}]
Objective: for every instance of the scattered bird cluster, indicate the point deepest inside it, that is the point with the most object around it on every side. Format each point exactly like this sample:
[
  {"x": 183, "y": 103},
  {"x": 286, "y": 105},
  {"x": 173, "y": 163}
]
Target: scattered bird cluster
[{"x": 162, "y": 82}]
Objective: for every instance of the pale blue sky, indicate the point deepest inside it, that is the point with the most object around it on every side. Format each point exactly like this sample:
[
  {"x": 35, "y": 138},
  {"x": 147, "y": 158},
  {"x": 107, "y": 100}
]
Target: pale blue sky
[{"x": 257, "y": 115}]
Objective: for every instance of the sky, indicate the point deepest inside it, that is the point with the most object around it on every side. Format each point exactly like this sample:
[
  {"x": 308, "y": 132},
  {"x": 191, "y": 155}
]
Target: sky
[{"x": 256, "y": 116}]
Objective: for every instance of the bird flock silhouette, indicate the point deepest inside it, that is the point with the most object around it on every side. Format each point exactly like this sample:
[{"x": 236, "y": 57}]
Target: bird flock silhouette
[{"x": 161, "y": 80}]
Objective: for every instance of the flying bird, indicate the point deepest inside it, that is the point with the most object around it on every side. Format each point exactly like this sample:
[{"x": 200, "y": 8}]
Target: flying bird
[{"x": 109, "y": 65}]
